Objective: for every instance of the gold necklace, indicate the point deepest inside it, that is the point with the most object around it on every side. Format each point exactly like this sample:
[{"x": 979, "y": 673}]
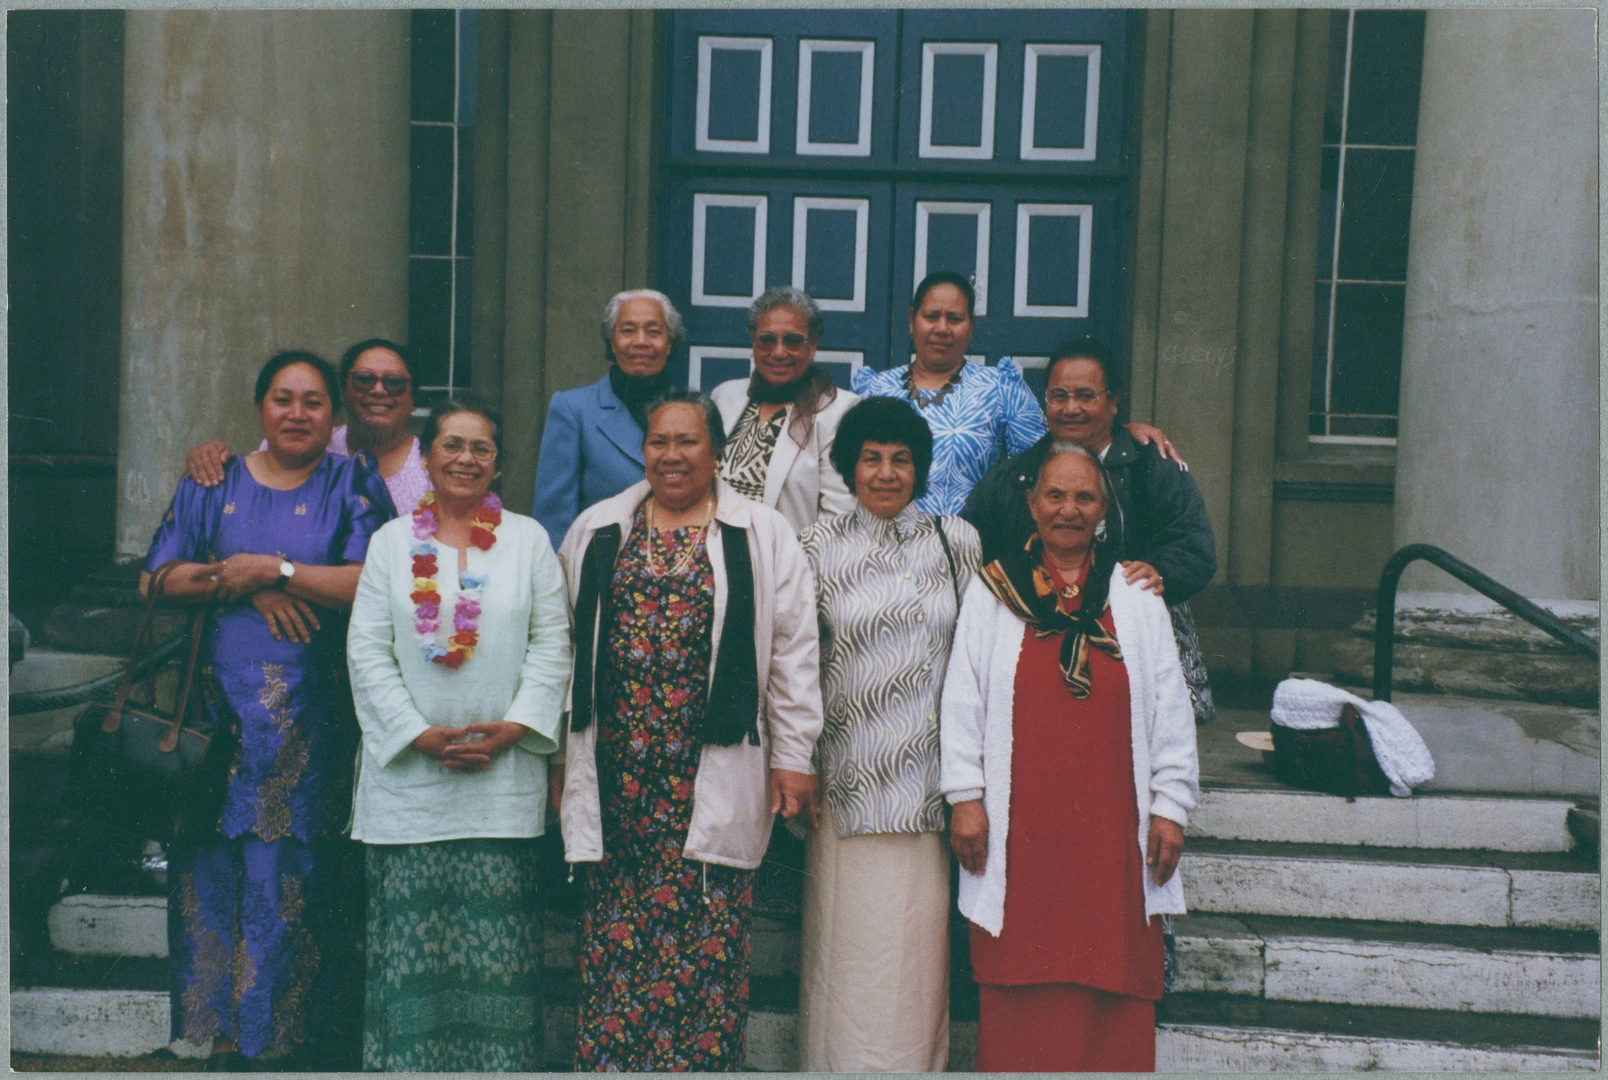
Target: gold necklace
[
  {"x": 685, "y": 561},
  {"x": 1071, "y": 590}
]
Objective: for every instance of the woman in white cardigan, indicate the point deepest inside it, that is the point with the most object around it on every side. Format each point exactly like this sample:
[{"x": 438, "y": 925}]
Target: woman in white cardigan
[
  {"x": 781, "y": 420},
  {"x": 1068, "y": 757},
  {"x": 459, "y": 651}
]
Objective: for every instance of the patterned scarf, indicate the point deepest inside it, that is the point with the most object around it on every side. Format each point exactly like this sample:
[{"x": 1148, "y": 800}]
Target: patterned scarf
[
  {"x": 1022, "y": 583},
  {"x": 808, "y": 394}
]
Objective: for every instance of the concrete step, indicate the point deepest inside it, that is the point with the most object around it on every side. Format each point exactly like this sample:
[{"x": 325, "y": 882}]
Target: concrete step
[
  {"x": 1507, "y": 746},
  {"x": 90, "y": 925},
  {"x": 93, "y": 1023},
  {"x": 1442, "y": 888},
  {"x": 1200, "y": 1033},
  {"x": 1480, "y": 747},
  {"x": 1442, "y": 822},
  {"x": 1221, "y": 877},
  {"x": 1540, "y": 972},
  {"x": 1222, "y": 1033},
  {"x": 1448, "y": 969},
  {"x": 1549, "y": 678}
]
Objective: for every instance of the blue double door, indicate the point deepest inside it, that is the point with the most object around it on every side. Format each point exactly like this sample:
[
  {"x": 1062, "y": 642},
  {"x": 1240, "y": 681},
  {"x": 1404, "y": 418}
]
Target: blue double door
[{"x": 849, "y": 153}]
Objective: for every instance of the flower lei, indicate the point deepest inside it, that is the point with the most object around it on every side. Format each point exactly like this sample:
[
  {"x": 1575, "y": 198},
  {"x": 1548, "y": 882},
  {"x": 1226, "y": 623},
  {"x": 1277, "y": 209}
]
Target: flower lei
[{"x": 427, "y": 598}]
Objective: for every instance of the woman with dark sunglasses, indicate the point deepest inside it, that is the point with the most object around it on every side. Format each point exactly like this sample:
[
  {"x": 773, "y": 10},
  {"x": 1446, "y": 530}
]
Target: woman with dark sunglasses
[{"x": 376, "y": 380}]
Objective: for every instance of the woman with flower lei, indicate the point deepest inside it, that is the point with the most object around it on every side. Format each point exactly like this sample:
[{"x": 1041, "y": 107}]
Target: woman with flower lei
[{"x": 460, "y": 653}]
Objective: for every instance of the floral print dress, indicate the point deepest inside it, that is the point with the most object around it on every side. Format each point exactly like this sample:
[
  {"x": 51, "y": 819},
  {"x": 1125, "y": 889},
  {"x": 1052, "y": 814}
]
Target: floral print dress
[{"x": 664, "y": 939}]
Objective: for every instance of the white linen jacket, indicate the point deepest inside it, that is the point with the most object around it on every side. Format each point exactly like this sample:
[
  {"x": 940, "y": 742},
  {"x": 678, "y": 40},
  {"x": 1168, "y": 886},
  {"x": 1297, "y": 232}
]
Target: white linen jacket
[
  {"x": 975, "y": 732},
  {"x": 731, "y": 818},
  {"x": 801, "y": 483},
  {"x": 518, "y": 672}
]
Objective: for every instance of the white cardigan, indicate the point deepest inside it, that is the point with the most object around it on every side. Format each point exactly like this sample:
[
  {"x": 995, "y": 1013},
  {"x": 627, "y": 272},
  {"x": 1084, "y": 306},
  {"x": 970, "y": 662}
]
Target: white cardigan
[
  {"x": 518, "y": 672},
  {"x": 975, "y": 736},
  {"x": 801, "y": 484},
  {"x": 731, "y": 818}
]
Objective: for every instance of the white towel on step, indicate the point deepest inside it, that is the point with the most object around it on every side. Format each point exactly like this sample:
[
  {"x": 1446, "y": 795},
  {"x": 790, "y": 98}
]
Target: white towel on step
[{"x": 1305, "y": 704}]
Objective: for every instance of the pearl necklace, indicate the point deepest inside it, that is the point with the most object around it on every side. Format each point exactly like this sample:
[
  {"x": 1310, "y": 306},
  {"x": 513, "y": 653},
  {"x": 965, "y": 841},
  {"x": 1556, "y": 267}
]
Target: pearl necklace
[{"x": 685, "y": 561}]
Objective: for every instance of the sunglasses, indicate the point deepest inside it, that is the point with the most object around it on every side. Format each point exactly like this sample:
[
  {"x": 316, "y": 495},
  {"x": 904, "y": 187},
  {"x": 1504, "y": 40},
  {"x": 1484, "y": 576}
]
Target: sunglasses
[{"x": 395, "y": 385}]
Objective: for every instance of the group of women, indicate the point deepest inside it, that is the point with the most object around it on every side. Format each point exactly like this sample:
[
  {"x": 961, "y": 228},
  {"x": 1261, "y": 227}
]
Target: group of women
[{"x": 762, "y": 603}]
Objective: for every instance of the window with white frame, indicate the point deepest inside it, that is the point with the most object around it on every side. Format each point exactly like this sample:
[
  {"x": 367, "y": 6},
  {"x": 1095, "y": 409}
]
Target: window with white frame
[
  {"x": 441, "y": 190},
  {"x": 1370, "y": 135}
]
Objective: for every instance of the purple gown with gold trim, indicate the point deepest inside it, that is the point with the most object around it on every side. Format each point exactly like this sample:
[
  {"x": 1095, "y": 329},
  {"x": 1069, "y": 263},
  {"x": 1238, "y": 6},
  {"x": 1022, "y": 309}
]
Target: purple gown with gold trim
[{"x": 253, "y": 916}]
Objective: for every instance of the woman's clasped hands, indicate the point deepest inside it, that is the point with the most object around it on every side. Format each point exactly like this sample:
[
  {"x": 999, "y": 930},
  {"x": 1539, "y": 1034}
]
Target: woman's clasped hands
[{"x": 470, "y": 748}]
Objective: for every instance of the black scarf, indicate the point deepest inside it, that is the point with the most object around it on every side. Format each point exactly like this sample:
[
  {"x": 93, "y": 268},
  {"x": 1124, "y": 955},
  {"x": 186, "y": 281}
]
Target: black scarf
[
  {"x": 808, "y": 394},
  {"x": 732, "y": 713},
  {"x": 1020, "y": 582},
  {"x": 638, "y": 391}
]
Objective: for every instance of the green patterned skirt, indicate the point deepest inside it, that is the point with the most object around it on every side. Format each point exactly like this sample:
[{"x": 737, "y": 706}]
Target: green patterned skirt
[{"x": 454, "y": 958}]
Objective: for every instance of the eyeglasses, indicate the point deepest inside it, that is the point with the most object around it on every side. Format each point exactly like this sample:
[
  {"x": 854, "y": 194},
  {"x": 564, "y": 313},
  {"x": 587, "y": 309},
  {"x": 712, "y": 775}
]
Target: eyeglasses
[
  {"x": 479, "y": 449},
  {"x": 794, "y": 342},
  {"x": 1082, "y": 395},
  {"x": 395, "y": 385}
]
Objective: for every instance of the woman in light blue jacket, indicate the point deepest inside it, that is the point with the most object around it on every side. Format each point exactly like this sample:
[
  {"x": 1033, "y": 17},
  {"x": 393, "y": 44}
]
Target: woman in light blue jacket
[{"x": 592, "y": 442}]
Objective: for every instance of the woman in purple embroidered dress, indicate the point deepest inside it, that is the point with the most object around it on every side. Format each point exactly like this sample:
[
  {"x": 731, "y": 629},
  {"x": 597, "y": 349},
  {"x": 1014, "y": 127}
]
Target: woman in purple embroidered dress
[{"x": 253, "y": 917}]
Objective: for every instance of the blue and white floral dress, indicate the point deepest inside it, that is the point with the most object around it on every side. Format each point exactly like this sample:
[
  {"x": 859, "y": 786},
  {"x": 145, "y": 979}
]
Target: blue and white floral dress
[{"x": 982, "y": 416}]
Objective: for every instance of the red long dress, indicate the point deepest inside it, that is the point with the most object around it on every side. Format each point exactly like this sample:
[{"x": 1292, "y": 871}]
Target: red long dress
[{"x": 1071, "y": 983}]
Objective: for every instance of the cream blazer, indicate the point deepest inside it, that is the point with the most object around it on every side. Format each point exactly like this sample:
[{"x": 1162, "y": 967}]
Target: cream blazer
[
  {"x": 801, "y": 483},
  {"x": 731, "y": 818}
]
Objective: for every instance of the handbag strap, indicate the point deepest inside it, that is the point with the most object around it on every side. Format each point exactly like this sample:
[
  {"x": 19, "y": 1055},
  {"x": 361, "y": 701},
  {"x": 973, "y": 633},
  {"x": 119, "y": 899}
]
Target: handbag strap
[
  {"x": 142, "y": 651},
  {"x": 114, "y": 716},
  {"x": 949, "y": 556},
  {"x": 1358, "y": 743},
  {"x": 170, "y": 740}
]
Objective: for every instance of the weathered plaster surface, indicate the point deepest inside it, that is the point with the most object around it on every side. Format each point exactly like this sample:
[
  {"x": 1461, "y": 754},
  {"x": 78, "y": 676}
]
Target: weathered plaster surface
[{"x": 265, "y": 208}]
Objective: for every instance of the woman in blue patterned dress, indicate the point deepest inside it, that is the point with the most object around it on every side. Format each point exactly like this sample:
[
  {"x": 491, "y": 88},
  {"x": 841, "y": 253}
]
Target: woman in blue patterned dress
[
  {"x": 979, "y": 415},
  {"x": 254, "y": 919}
]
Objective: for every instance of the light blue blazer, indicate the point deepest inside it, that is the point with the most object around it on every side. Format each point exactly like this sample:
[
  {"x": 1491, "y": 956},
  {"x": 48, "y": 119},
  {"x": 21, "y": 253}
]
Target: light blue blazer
[{"x": 591, "y": 450}]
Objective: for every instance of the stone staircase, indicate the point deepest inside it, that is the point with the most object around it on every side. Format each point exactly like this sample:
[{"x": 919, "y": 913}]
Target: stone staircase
[
  {"x": 1433, "y": 933},
  {"x": 1454, "y": 930}
]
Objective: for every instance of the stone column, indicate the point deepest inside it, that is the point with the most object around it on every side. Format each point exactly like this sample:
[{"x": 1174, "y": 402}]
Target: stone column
[
  {"x": 1497, "y": 458},
  {"x": 265, "y": 195}
]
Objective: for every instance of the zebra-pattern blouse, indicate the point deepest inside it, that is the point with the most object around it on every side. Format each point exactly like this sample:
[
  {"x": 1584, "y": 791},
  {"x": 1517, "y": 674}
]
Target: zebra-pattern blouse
[{"x": 887, "y": 605}]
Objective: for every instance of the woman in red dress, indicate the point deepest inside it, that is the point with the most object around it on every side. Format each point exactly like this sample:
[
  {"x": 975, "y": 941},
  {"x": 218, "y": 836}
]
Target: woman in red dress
[{"x": 1069, "y": 760}]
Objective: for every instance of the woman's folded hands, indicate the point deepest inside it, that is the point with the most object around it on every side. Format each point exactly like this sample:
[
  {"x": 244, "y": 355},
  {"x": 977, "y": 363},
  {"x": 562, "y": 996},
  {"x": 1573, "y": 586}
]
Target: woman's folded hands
[{"x": 470, "y": 748}]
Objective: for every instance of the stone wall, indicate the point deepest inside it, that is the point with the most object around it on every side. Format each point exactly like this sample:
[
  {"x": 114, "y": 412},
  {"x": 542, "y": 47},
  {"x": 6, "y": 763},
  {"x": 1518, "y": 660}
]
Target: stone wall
[{"x": 265, "y": 205}]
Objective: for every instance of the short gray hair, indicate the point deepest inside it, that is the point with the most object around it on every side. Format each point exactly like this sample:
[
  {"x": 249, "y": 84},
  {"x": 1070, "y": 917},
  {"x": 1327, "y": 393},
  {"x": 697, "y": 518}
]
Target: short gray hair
[
  {"x": 785, "y": 296},
  {"x": 611, "y": 316},
  {"x": 1072, "y": 449}
]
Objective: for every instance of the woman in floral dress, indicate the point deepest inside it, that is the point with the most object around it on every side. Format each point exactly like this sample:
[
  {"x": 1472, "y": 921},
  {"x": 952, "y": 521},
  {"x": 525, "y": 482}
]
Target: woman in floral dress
[{"x": 693, "y": 605}]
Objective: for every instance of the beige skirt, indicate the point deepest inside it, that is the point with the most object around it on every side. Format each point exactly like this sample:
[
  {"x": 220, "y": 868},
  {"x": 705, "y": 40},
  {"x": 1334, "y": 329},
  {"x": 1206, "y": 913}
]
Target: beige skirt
[{"x": 874, "y": 967}]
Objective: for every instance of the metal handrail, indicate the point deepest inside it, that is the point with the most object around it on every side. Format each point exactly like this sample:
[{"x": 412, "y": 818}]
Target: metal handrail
[{"x": 1385, "y": 619}]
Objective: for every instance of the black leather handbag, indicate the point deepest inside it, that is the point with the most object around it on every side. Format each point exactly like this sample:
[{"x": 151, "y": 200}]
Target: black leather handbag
[{"x": 158, "y": 775}]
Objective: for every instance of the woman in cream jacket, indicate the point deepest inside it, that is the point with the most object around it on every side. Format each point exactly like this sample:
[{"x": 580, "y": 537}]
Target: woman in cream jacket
[{"x": 694, "y": 711}]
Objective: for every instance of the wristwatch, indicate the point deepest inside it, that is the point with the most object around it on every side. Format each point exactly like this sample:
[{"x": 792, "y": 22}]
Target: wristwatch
[{"x": 287, "y": 570}]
